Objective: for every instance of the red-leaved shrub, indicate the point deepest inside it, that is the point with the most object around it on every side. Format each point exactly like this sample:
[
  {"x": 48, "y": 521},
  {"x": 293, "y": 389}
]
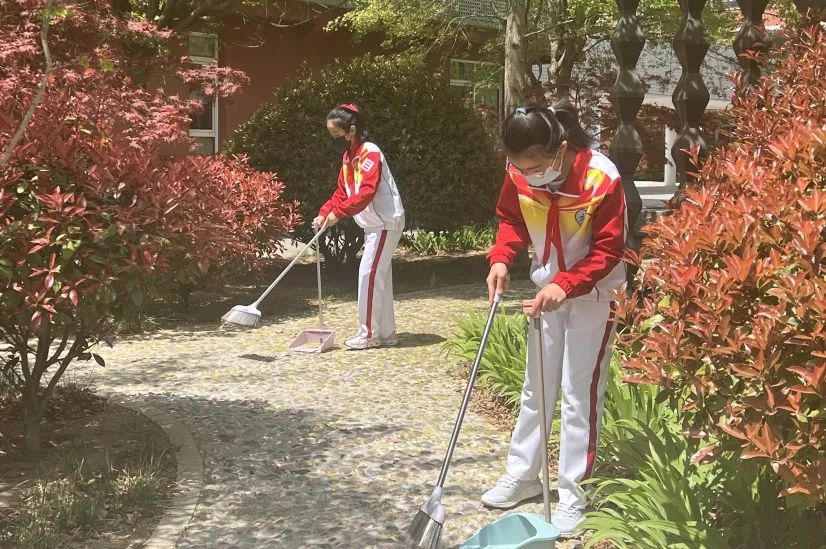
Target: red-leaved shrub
[
  {"x": 733, "y": 297},
  {"x": 94, "y": 215}
]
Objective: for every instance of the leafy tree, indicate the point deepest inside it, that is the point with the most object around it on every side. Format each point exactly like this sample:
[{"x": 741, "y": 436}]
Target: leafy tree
[
  {"x": 95, "y": 218},
  {"x": 182, "y": 15},
  {"x": 560, "y": 31}
]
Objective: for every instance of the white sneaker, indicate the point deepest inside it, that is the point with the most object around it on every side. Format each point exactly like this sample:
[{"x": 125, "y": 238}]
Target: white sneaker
[
  {"x": 359, "y": 342},
  {"x": 390, "y": 341},
  {"x": 567, "y": 519},
  {"x": 509, "y": 491}
]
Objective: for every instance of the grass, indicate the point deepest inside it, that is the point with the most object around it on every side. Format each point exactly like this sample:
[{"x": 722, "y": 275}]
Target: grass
[
  {"x": 503, "y": 364},
  {"x": 81, "y": 499},
  {"x": 463, "y": 240},
  {"x": 502, "y": 371},
  {"x": 101, "y": 480}
]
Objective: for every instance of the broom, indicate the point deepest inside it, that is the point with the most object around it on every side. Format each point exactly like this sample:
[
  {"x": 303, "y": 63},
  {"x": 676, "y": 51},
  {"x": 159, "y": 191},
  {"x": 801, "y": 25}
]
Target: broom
[
  {"x": 426, "y": 529},
  {"x": 249, "y": 315}
]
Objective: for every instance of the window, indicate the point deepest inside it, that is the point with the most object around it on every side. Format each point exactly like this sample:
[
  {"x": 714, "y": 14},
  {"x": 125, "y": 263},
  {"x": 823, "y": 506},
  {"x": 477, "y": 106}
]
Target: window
[
  {"x": 478, "y": 81},
  {"x": 203, "y": 50}
]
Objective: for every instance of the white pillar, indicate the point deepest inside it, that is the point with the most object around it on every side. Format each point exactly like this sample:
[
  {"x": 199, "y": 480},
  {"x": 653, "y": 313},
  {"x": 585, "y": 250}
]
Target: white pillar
[{"x": 670, "y": 168}]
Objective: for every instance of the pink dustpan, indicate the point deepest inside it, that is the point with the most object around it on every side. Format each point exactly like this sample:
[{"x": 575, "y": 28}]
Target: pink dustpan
[{"x": 315, "y": 340}]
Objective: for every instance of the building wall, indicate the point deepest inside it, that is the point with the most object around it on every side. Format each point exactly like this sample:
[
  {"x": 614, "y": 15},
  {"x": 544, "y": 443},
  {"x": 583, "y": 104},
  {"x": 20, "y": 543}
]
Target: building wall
[
  {"x": 272, "y": 45},
  {"x": 271, "y": 55}
]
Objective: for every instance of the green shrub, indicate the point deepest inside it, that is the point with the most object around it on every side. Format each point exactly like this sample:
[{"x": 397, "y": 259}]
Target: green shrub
[
  {"x": 441, "y": 156},
  {"x": 463, "y": 240}
]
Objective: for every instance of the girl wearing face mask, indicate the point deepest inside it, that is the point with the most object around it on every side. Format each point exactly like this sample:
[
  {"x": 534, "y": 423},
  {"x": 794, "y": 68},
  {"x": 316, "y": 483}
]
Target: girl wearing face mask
[
  {"x": 566, "y": 200},
  {"x": 366, "y": 192}
]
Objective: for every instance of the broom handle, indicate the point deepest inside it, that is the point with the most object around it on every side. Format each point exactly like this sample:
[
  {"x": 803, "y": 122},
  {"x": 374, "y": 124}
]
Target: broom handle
[
  {"x": 454, "y": 438},
  {"x": 290, "y": 266},
  {"x": 543, "y": 421},
  {"x": 318, "y": 275}
]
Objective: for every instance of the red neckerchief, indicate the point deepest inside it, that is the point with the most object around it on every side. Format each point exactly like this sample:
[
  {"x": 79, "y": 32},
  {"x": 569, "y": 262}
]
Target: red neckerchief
[
  {"x": 351, "y": 154},
  {"x": 573, "y": 183}
]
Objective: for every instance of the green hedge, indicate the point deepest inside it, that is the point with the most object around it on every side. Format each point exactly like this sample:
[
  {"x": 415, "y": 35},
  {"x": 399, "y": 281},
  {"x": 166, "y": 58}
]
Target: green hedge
[{"x": 441, "y": 156}]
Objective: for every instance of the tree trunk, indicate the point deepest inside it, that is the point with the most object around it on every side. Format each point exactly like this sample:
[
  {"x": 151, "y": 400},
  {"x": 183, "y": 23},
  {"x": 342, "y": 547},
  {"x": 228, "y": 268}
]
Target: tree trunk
[
  {"x": 31, "y": 420},
  {"x": 570, "y": 50},
  {"x": 564, "y": 47},
  {"x": 516, "y": 55}
]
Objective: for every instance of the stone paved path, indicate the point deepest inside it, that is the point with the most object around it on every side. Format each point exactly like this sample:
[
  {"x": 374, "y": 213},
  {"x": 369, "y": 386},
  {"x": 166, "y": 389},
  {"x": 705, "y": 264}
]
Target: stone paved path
[{"x": 332, "y": 450}]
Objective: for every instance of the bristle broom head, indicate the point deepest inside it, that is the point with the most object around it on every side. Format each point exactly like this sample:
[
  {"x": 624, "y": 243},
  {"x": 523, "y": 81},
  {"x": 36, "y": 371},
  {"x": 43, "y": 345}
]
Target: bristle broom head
[
  {"x": 243, "y": 315},
  {"x": 426, "y": 529},
  {"x": 424, "y": 532}
]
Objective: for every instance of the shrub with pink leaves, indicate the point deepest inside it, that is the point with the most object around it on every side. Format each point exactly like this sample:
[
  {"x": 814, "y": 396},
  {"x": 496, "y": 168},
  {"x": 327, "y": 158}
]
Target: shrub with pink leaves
[
  {"x": 95, "y": 216},
  {"x": 734, "y": 296}
]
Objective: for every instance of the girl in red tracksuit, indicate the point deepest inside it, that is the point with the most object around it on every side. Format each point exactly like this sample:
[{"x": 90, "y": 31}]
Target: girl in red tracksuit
[
  {"x": 367, "y": 192},
  {"x": 566, "y": 200}
]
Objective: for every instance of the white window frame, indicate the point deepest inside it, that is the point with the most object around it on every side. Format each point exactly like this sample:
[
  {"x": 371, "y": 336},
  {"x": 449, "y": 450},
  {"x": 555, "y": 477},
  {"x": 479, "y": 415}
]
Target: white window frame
[
  {"x": 200, "y": 60},
  {"x": 458, "y": 82}
]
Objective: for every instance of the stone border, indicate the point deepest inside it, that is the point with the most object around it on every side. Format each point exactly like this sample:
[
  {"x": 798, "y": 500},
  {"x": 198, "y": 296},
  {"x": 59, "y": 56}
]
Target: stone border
[{"x": 190, "y": 477}]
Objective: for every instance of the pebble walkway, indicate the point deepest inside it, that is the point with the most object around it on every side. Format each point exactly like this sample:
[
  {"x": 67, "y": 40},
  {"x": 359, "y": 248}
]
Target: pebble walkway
[{"x": 332, "y": 450}]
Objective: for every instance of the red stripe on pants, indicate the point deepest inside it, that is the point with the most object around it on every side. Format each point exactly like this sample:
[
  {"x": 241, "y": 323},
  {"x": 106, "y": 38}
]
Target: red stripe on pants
[
  {"x": 592, "y": 416},
  {"x": 370, "y": 286}
]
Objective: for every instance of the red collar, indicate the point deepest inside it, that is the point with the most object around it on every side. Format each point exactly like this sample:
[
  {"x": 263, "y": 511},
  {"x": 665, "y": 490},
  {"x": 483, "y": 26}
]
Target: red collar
[
  {"x": 573, "y": 183},
  {"x": 353, "y": 153}
]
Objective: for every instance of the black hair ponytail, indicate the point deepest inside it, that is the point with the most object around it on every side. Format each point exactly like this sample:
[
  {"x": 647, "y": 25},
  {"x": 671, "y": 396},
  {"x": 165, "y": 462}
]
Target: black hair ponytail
[
  {"x": 544, "y": 127},
  {"x": 346, "y": 115}
]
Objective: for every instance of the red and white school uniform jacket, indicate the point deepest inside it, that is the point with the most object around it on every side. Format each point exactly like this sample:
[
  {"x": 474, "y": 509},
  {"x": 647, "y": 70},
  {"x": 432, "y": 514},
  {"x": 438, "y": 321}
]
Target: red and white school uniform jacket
[
  {"x": 367, "y": 191},
  {"x": 577, "y": 229}
]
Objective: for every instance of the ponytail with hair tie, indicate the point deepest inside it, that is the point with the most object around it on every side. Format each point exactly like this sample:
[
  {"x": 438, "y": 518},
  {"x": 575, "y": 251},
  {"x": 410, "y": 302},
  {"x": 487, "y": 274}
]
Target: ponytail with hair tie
[{"x": 544, "y": 128}]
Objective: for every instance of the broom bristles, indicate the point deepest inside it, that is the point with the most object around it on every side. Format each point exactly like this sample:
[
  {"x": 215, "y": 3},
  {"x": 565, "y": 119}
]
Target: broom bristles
[
  {"x": 425, "y": 532},
  {"x": 243, "y": 315}
]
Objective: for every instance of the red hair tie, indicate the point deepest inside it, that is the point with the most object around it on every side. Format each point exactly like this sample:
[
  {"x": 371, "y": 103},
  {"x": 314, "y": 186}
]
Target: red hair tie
[{"x": 352, "y": 107}]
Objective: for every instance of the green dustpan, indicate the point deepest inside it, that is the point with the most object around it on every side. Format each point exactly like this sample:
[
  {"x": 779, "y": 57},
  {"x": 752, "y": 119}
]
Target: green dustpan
[
  {"x": 524, "y": 530},
  {"x": 518, "y": 531}
]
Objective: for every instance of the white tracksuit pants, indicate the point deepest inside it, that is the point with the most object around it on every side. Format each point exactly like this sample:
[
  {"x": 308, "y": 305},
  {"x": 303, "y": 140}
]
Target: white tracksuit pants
[
  {"x": 577, "y": 343},
  {"x": 376, "y": 315}
]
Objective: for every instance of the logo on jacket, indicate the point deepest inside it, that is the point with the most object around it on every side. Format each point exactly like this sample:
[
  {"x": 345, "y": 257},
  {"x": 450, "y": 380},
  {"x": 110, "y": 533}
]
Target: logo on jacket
[
  {"x": 367, "y": 165},
  {"x": 580, "y": 216}
]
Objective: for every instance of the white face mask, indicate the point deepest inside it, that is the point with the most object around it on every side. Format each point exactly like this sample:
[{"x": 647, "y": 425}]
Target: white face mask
[{"x": 549, "y": 178}]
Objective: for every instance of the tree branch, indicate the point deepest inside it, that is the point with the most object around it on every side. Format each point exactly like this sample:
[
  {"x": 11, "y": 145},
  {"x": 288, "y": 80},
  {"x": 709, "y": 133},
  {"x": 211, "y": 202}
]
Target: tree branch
[
  {"x": 24, "y": 362},
  {"x": 41, "y": 91},
  {"x": 77, "y": 347},
  {"x": 538, "y": 14},
  {"x": 41, "y": 363},
  {"x": 56, "y": 356},
  {"x": 602, "y": 39},
  {"x": 550, "y": 27}
]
